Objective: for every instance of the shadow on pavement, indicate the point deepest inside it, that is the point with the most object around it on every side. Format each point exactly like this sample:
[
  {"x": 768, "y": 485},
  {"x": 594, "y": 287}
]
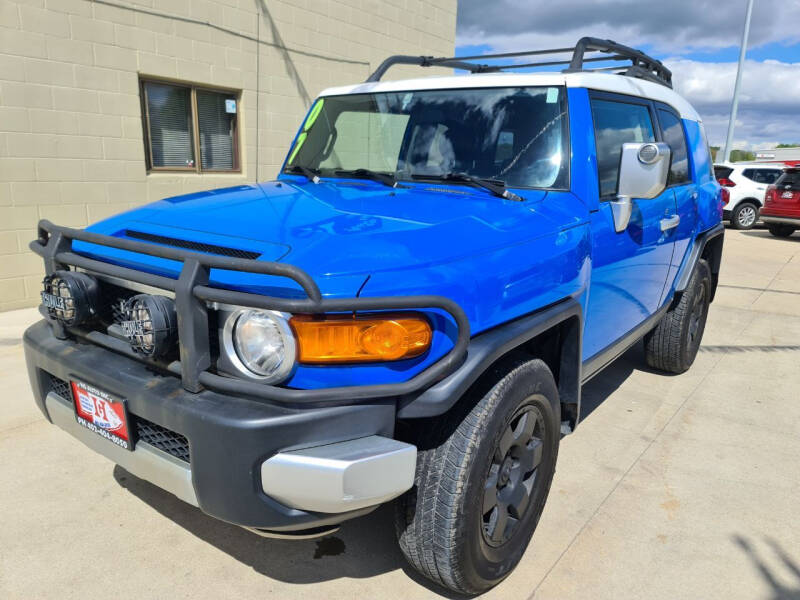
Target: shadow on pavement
[
  {"x": 763, "y": 233},
  {"x": 362, "y": 548},
  {"x": 605, "y": 383},
  {"x": 780, "y": 591}
]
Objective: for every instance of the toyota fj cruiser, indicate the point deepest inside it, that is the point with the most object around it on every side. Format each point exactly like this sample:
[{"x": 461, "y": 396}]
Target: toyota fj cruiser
[{"x": 407, "y": 312}]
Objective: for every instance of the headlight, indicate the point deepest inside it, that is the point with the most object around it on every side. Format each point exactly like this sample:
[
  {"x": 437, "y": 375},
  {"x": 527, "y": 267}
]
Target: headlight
[
  {"x": 259, "y": 344},
  {"x": 70, "y": 297}
]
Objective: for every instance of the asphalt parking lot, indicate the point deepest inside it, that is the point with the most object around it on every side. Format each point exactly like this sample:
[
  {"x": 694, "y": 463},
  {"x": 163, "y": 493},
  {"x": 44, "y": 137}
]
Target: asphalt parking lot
[{"x": 673, "y": 486}]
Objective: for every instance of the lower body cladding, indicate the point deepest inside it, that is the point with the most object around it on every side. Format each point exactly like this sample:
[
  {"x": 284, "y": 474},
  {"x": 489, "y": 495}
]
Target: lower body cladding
[{"x": 274, "y": 469}]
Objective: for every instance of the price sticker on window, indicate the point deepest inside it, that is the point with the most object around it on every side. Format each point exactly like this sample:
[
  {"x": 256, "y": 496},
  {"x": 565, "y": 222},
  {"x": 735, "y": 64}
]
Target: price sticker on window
[{"x": 230, "y": 106}]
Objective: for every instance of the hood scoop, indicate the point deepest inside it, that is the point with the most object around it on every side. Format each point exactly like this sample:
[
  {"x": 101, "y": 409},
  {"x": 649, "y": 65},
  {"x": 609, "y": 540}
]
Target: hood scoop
[{"x": 189, "y": 245}]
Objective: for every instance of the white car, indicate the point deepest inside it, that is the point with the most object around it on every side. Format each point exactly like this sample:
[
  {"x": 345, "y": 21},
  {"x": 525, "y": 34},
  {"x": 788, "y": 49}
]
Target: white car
[{"x": 747, "y": 184}]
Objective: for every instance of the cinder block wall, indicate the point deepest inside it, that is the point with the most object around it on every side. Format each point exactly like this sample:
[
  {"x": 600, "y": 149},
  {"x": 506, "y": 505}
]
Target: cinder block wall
[{"x": 71, "y": 136}]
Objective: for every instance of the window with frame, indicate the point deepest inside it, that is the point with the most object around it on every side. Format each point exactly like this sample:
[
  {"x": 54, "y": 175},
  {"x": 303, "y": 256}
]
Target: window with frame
[
  {"x": 675, "y": 138},
  {"x": 617, "y": 123},
  {"x": 190, "y": 128}
]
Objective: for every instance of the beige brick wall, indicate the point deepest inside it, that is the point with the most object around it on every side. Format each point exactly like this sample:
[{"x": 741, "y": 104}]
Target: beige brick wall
[{"x": 71, "y": 147}]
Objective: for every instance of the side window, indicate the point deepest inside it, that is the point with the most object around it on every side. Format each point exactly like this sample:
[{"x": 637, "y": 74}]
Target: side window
[
  {"x": 750, "y": 174},
  {"x": 768, "y": 176},
  {"x": 616, "y": 123},
  {"x": 674, "y": 136}
]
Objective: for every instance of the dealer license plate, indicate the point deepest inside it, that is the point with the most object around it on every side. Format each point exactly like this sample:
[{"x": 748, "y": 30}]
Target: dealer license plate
[{"x": 102, "y": 413}]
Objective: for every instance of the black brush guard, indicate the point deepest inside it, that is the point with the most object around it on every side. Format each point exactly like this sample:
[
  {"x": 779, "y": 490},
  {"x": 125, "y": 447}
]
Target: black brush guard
[{"x": 193, "y": 292}]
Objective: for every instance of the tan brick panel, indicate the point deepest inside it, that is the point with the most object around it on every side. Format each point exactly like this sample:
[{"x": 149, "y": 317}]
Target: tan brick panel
[{"x": 71, "y": 136}]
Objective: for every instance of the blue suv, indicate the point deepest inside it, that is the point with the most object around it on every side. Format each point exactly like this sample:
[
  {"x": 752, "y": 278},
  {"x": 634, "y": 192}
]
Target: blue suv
[{"x": 407, "y": 312}]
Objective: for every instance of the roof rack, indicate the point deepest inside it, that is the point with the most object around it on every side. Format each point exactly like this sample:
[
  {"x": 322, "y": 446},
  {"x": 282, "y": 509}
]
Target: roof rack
[{"x": 641, "y": 65}]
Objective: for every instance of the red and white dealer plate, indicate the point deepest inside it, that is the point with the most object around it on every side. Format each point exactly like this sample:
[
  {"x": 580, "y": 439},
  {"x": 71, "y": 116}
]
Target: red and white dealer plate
[{"x": 102, "y": 413}]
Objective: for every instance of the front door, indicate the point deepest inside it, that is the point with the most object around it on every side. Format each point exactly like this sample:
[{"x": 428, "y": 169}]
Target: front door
[{"x": 629, "y": 269}]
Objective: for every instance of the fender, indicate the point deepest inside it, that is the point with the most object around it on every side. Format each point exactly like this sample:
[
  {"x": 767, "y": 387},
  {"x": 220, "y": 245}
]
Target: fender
[
  {"x": 708, "y": 245},
  {"x": 485, "y": 349}
]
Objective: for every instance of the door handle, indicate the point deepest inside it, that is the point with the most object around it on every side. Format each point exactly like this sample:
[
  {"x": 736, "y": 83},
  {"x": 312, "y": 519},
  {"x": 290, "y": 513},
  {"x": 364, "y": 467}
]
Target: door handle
[{"x": 670, "y": 223}]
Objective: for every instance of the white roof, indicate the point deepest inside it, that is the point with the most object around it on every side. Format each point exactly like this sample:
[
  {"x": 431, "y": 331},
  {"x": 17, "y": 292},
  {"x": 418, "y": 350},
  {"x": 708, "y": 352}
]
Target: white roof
[{"x": 607, "y": 82}]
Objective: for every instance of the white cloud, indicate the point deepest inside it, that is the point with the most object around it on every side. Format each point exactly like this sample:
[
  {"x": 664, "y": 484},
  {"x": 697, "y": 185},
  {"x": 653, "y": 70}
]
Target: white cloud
[
  {"x": 674, "y": 27},
  {"x": 769, "y": 108}
]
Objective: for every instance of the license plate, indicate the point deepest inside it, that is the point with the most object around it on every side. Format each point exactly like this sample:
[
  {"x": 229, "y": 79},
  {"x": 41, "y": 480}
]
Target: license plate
[
  {"x": 53, "y": 301},
  {"x": 787, "y": 195},
  {"x": 102, "y": 413}
]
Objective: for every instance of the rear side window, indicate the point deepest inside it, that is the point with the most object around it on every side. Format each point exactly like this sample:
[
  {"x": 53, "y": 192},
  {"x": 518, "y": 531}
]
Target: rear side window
[
  {"x": 675, "y": 137},
  {"x": 616, "y": 123},
  {"x": 722, "y": 172},
  {"x": 767, "y": 175},
  {"x": 762, "y": 175},
  {"x": 789, "y": 181}
]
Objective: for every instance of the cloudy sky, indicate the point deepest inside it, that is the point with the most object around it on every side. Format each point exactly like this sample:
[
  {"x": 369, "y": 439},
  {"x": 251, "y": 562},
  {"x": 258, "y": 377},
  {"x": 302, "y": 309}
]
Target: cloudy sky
[{"x": 697, "y": 39}]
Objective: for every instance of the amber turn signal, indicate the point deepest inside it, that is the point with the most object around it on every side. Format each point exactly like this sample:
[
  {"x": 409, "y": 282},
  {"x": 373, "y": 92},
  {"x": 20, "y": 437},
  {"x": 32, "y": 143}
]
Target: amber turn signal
[{"x": 371, "y": 338}]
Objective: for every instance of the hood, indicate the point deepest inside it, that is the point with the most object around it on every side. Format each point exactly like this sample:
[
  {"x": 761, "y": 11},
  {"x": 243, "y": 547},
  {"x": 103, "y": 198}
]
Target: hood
[{"x": 350, "y": 228}]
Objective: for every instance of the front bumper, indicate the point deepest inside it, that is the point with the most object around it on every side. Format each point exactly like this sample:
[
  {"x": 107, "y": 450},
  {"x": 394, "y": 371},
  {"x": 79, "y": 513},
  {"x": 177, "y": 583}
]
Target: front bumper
[{"x": 251, "y": 463}]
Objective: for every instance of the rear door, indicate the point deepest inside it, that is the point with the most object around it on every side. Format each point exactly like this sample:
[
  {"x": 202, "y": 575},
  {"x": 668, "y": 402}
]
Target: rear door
[
  {"x": 787, "y": 194},
  {"x": 682, "y": 181},
  {"x": 629, "y": 269}
]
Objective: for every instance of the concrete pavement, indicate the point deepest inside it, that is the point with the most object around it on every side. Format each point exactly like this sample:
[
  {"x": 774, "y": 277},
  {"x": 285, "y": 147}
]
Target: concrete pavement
[{"x": 672, "y": 487}]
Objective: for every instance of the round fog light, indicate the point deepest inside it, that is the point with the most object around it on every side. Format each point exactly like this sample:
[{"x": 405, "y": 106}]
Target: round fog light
[
  {"x": 70, "y": 297},
  {"x": 151, "y": 324},
  {"x": 262, "y": 344}
]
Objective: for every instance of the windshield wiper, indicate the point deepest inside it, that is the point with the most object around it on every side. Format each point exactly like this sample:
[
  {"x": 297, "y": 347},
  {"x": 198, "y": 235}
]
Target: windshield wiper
[
  {"x": 494, "y": 186},
  {"x": 311, "y": 174},
  {"x": 384, "y": 178}
]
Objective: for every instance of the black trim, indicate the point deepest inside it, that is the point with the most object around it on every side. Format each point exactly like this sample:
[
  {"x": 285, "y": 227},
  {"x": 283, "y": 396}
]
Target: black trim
[
  {"x": 190, "y": 245},
  {"x": 641, "y": 65},
  {"x": 486, "y": 348},
  {"x": 192, "y": 292},
  {"x": 700, "y": 242},
  {"x": 594, "y": 364}
]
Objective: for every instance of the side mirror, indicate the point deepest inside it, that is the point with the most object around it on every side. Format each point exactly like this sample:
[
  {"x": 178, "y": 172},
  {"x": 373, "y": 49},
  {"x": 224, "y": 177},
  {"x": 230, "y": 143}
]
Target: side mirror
[{"x": 643, "y": 170}]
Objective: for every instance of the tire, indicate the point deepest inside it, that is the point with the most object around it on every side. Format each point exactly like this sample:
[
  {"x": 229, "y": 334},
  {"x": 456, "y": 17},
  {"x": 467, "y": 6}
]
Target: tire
[
  {"x": 781, "y": 231},
  {"x": 672, "y": 346},
  {"x": 442, "y": 528},
  {"x": 745, "y": 215}
]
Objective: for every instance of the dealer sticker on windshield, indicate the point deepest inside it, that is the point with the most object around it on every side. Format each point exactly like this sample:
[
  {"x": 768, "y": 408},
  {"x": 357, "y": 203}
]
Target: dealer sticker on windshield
[{"x": 102, "y": 413}]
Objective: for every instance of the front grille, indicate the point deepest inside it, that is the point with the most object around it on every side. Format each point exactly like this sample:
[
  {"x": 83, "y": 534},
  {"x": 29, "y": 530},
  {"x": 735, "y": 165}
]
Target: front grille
[
  {"x": 189, "y": 245},
  {"x": 114, "y": 297},
  {"x": 166, "y": 440},
  {"x": 60, "y": 387}
]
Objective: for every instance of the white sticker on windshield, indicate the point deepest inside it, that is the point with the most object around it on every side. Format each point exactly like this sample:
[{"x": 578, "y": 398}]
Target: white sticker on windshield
[{"x": 552, "y": 95}]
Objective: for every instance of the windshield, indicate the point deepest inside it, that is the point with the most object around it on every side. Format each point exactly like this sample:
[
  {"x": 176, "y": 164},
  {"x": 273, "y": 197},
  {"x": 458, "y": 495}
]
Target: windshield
[{"x": 513, "y": 135}]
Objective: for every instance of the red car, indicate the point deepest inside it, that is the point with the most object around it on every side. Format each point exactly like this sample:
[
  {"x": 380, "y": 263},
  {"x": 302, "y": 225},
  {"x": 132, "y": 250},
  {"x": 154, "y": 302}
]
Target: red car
[{"x": 781, "y": 211}]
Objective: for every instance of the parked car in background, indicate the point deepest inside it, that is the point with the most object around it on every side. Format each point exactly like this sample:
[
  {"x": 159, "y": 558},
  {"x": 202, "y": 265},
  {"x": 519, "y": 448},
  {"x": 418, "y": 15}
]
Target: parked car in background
[
  {"x": 747, "y": 183},
  {"x": 781, "y": 210}
]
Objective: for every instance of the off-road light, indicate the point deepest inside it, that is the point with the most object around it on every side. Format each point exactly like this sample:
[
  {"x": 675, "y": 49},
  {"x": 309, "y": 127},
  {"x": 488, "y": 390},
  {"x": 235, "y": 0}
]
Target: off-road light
[
  {"x": 648, "y": 153},
  {"x": 70, "y": 297},
  {"x": 259, "y": 344},
  {"x": 151, "y": 324},
  {"x": 374, "y": 338}
]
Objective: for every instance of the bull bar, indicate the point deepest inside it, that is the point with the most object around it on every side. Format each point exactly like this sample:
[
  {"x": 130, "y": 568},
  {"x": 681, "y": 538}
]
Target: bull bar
[{"x": 193, "y": 291}]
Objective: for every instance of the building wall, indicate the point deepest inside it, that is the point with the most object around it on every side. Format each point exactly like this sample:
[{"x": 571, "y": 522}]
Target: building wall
[{"x": 71, "y": 136}]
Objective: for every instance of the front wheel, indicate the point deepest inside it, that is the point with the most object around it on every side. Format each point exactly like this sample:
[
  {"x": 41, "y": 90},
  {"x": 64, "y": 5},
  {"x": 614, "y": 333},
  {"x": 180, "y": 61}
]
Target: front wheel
[
  {"x": 672, "y": 346},
  {"x": 781, "y": 231},
  {"x": 744, "y": 215},
  {"x": 483, "y": 475}
]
